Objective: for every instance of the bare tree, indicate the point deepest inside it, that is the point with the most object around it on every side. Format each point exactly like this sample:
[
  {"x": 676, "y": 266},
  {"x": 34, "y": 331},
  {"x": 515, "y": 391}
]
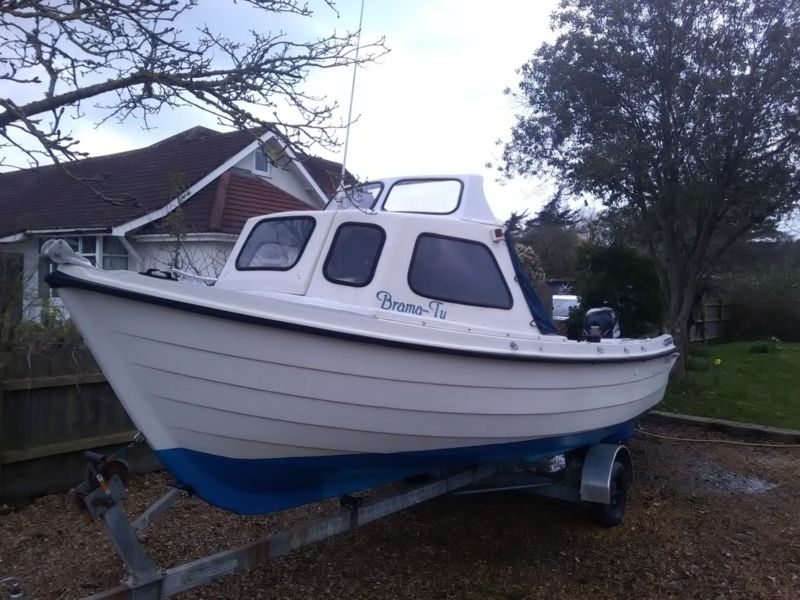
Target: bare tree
[{"x": 130, "y": 58}]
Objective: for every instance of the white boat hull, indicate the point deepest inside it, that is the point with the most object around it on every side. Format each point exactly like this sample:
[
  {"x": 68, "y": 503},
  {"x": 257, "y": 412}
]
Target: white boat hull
[{"x": 256, "y": 417}]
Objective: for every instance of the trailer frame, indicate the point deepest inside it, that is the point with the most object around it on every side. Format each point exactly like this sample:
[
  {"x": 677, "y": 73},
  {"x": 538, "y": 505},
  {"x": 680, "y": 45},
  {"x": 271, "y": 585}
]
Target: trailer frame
[{"x": 588, "y": 475}]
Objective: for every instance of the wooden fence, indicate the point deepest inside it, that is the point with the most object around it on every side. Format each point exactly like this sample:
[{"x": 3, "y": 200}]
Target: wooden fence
[
  {"x": 46, "y": 423},
  {"x": 712, "y": 319}
]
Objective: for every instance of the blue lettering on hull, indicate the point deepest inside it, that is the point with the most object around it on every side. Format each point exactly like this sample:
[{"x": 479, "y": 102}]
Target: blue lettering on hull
[{"x": 435, "y": 308}]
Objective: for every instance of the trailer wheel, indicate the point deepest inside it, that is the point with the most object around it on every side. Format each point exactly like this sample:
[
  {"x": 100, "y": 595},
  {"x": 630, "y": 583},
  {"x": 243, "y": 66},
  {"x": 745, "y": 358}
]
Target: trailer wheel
[{"x": 610, "y": 515}]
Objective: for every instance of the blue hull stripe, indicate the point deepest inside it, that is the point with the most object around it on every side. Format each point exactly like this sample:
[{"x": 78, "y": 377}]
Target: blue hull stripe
[{"x": 257, "y": 486}]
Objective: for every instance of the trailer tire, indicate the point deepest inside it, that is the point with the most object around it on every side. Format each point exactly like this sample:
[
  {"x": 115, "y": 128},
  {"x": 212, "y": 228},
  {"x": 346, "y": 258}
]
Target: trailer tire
[{"x": 611, "y": 515}]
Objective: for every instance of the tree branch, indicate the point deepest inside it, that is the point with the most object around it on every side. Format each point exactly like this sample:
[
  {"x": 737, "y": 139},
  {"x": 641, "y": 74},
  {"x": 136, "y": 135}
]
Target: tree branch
[{"x": 73, "y": 52}]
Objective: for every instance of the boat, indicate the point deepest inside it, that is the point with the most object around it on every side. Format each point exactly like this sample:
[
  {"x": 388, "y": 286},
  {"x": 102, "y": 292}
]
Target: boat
[{"x": 392, "y": 334}]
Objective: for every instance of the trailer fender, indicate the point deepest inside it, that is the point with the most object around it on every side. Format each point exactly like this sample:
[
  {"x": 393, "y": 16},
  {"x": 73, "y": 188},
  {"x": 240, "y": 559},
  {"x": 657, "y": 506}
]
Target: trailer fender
[{"x": 596, "y": 472}]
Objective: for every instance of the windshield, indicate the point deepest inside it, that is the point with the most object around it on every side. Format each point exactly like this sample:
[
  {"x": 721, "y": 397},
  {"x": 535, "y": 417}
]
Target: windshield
[
  {"x": 561, "y": 306},
  {"x": 440, "y": 196},
  {"x": 361, "y": 196},
  {"x": 275, "y": 244},
  {"x": 604, "y": 319}
]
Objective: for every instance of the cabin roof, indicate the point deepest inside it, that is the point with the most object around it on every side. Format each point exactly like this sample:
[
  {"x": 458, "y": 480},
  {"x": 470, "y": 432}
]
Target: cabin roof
[{"x": 472, "y": 204}]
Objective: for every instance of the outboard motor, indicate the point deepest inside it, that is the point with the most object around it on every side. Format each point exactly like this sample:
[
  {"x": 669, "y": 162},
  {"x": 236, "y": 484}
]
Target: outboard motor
[{"x": 600, "y": 323}]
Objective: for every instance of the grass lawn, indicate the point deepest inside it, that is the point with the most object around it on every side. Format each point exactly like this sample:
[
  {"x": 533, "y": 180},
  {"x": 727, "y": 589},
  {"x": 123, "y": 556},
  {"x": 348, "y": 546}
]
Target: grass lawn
[{"x": 753, "y": 382}]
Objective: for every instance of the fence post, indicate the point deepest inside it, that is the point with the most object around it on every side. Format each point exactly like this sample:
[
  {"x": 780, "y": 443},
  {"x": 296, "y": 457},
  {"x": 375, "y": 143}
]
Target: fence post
[
  {"x": 721, "y": 317},
  {"x": 2, "y": 381},
  {"x": 704, "y": 300}
]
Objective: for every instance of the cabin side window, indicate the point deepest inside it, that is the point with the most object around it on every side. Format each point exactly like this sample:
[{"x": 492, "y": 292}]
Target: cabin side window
[
  {"x": 354, "y": 254},
  {"x": 275, "y": 244},
  {"x": 457, "y": 270}
]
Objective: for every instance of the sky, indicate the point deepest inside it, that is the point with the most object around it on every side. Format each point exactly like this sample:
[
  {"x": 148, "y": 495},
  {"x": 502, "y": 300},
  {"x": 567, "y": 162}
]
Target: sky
[{"x": 433, "y": 105}]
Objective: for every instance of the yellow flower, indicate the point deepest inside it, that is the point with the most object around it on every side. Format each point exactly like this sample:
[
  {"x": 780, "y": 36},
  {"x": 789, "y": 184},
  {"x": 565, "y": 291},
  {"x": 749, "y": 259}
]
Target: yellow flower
[{"x": 717, "y": 361}]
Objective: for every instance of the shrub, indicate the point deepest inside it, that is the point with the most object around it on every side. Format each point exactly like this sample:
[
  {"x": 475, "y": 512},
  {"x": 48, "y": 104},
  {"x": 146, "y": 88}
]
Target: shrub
[
  {"x": 622, "y": 278},
  {"x": 54, "y": 347}
]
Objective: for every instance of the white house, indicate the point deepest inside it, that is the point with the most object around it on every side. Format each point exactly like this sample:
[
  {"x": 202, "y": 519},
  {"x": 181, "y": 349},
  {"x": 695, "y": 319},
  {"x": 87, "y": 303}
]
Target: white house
[{"x": 177, "y": 204}]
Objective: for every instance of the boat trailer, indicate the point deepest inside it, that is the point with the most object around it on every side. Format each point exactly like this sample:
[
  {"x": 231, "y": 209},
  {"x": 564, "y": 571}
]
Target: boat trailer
[{"x": 600, "y": 475}]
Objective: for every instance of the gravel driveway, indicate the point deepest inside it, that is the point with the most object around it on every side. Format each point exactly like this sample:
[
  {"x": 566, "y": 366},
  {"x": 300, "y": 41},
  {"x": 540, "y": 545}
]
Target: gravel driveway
[{"x": 704, "y": 521}]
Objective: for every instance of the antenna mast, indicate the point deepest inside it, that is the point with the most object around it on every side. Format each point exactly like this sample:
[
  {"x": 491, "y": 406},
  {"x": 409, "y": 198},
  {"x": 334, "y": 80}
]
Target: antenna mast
[{"x": 352, "y": 94}]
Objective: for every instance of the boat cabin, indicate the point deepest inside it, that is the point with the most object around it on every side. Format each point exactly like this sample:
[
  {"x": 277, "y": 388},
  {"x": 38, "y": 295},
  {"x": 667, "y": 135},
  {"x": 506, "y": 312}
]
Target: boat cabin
[{"x": 425, "y": 250}]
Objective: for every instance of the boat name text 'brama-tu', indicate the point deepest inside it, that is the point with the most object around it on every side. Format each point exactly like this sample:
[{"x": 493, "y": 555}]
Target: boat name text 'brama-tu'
[{"x": 434, "y": 306}]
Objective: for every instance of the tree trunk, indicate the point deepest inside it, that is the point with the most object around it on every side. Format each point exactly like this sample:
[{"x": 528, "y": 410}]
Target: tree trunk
[
  {"x": 680, "y": 310},
  {"x": 680, "y": 334}
]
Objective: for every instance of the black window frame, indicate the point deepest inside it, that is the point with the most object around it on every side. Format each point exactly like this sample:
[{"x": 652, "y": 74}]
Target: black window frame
[
  {"x": 456, "y": 301},
  {"x": 423, "y": 180},
  {"x": 374, "y": 264},
  {"x": 299, "y": 254}
]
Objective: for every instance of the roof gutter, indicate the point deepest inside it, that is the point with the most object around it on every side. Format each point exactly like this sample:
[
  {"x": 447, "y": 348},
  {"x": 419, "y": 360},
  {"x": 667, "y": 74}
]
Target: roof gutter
[
  {"x": 14, "y": 237},
  {"x": 29, "y": 233},
  {"x": 213, "y": 236}
]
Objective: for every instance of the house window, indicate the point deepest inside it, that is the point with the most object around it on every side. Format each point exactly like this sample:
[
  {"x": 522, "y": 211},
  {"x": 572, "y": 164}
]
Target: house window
[
  {"x": 262, "y": 163},
  {"x": 115, "y": 256},
  {"x": 354, "y": 254},
  {"x": 457, "y": 270},
  {"x": 275, "y": 244},
  {"x": 107, "y": 251},
  {"x": 85, "y": 246}
]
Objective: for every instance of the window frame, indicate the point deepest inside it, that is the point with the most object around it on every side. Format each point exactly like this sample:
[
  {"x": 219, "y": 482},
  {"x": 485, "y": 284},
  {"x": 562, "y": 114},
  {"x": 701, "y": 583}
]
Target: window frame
[
  {"x": 455, "y": 301},
  {"x": 374, "y": 264},
  {"x": 258, "y": 171},
  {"x": 299, "y": 254},
  {"x": 423, "y": 180}
]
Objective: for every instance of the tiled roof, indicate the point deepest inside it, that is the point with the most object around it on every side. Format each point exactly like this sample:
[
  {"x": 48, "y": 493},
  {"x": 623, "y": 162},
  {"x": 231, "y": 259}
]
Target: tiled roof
[
  {"x": 248, "y": 196},
  {"x": 326, "y": 173},
  {"x": 127, "y": 185},
  {"x": 227, "y": 202}
]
